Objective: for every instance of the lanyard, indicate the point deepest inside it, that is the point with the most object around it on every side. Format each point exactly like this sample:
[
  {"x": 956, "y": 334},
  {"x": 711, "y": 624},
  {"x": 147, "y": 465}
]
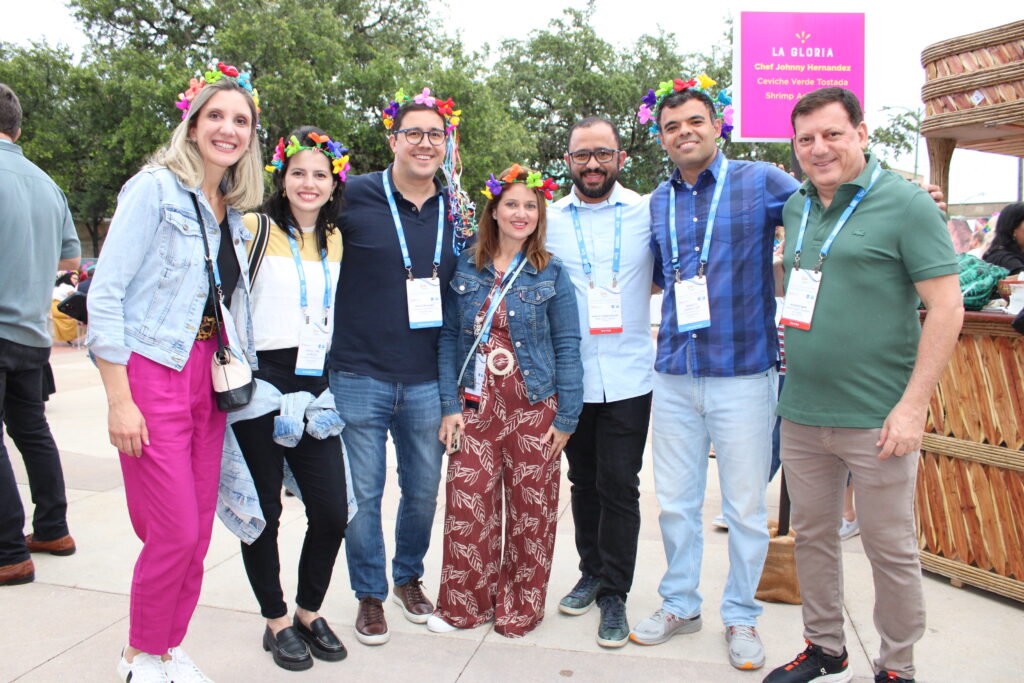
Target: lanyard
[
  {"x": 518, "y": 264},
  {"x": 302, "y": 278},
  {"x": 617, "y": 258},
  {"x": 401, "y": 232},
  {"x": 712, "y": 212},
  {"x": 857, "y": 198}
]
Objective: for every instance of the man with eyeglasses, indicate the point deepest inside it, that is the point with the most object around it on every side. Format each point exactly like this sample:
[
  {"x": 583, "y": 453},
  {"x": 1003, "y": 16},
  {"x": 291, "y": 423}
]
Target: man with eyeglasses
[
  {"x": 398, "y": 258},
  {"x": 601, "y": 231}
]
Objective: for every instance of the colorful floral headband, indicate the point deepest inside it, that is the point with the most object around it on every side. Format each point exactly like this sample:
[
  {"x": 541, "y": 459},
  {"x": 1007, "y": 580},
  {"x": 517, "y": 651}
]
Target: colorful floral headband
[
  {"x": 648, "y": 112},
  {"x": 214, "y": 74},
  {"x": 337, "y": 154},
  {"x": 446, "y": 108},
  {"x": 534, "y": 180}
]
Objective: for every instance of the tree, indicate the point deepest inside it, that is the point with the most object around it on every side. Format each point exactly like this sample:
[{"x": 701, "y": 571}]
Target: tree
[{"x": 898, "y": 138}]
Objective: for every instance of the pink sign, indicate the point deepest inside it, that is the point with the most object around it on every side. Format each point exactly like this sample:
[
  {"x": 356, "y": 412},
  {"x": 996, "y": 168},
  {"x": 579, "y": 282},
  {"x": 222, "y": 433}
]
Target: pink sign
[{"x": 783, "y": 55}]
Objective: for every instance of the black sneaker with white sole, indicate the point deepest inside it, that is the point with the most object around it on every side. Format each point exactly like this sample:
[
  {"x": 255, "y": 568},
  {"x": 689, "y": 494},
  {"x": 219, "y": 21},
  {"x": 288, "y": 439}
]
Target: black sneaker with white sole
[{"x": 813, "y": 665}]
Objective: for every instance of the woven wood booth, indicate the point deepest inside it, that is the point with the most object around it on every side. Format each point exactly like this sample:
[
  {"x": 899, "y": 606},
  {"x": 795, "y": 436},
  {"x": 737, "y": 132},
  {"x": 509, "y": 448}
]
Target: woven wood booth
[
  {"x": 974, "y": 96},
  {"x": 970, "y": 482}
]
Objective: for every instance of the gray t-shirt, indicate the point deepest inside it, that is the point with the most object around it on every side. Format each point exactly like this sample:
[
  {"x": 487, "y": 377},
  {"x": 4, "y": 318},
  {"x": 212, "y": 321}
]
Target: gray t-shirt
[{"x": 36, "y": 231}]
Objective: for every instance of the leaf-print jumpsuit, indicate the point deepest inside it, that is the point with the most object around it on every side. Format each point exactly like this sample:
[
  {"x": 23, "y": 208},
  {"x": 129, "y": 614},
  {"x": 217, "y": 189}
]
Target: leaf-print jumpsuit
[{"x": 501, "y": 452}]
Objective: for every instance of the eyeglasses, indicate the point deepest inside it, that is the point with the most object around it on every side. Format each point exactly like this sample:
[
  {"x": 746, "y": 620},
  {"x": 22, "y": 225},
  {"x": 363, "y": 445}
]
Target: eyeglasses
[
  {"x": 414, "y": 136},
  {"x": 603, "y": 155}
]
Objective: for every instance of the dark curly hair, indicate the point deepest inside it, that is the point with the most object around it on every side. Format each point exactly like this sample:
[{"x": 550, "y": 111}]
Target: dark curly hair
[{"x": 279, "y": 209}]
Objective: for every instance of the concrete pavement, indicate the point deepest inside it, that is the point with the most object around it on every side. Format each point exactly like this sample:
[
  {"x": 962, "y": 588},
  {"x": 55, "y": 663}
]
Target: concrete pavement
[{"x": 72, "y": 622}]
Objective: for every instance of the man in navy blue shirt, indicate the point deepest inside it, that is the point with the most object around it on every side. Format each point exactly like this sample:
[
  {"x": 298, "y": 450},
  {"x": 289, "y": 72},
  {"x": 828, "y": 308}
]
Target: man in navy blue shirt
[
  {"x": 712, "y": 228},
  {"x": 398, "y": 258}
]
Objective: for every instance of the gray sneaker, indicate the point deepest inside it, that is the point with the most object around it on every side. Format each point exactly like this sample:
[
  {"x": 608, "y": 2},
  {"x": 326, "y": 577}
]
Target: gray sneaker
[
  {"x": 661, "y": 626},
  {"x": 581, "y": 598},
  {"x": 745, "y": 648}
]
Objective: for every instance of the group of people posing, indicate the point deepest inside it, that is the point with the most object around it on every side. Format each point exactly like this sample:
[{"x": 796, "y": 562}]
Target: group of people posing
[{"x": 367, "y": 298}]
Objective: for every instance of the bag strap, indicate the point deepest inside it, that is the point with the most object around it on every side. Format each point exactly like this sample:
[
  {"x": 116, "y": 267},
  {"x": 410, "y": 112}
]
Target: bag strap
[
  {"x": 259, "y": 246},
  {"x": 215, "y": 290}
]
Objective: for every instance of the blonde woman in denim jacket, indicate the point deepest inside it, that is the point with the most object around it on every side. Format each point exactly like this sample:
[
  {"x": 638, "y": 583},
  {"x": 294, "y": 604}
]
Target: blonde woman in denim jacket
[
  {"x": 150, "y": 307},
  {"x": 513, "y": 411}
]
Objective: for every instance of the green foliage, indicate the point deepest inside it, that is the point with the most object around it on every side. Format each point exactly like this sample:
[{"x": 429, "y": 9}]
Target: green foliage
[{"x": 900, "y": 137}]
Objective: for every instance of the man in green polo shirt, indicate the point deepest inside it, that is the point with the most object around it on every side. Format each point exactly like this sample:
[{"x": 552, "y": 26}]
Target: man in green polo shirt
[{"x": 863, "y": 247}]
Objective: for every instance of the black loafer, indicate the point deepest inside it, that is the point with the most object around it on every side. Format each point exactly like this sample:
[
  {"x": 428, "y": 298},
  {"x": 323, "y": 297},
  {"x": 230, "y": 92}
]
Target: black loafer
[
  {"x": 288, "y": 649},
  {"x": 321, "y": 640}
]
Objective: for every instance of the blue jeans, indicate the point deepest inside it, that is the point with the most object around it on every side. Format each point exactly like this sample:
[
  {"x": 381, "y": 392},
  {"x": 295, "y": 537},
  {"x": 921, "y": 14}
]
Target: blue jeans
[
  {"x": 737, "y": 414},
  {"x": 412, "y": 413}
]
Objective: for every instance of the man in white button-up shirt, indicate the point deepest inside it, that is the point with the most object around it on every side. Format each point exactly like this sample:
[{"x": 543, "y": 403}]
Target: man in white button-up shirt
[{"x": 613, "y": 289}]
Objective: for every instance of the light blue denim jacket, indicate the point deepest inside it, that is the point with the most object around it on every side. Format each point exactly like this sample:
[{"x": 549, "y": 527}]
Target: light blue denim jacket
[
  {"x": 151, "y": 285},
  {"x": 543, "y": 325}
]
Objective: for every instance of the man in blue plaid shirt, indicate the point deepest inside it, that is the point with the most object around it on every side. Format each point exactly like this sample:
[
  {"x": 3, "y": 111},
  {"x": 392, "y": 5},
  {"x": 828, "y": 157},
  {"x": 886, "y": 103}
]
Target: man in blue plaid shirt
[{"x": 712, "y": 229}]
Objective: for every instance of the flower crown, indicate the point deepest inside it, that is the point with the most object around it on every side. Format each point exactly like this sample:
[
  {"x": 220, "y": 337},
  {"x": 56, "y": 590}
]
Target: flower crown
[
  {"x": 647, "y": 113},
  {"x": 214, "y": 74},
  {"x": 534, "y": 180},
  {"x": 337, "y": 154},
  {"x": 446, "y": 108}
]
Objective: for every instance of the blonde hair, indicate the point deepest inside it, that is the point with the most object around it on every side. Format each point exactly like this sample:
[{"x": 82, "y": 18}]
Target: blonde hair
[
  {"x": 486, "y": 247},
  {"x": 243, "y": 182}
]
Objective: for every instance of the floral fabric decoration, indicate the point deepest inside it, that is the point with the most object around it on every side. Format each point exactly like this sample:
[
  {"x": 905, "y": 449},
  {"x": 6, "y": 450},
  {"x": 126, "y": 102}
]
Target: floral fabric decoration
[
  {"x": 647, "y": 112},
  {"x": 534, "y": 180},
  {"x": 335, "y": 153},
  {"x": 212, "y": 75}
]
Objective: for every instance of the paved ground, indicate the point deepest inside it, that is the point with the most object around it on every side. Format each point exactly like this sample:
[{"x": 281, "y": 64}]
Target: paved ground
[{"x": 71, "y": 623}]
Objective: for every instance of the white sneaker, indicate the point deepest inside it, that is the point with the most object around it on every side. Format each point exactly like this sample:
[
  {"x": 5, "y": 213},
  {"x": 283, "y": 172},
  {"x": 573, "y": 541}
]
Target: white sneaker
[
  {"x": 745, "y": 648},
  {"x": 719, "y": 522},
  {"x": 661, "y": 626},
  {"x": 181, "y": 669},
  {"x": 436, "y": 624},
  {"x": 849, "y": 529},
  {"x": 145, "y": 668}
]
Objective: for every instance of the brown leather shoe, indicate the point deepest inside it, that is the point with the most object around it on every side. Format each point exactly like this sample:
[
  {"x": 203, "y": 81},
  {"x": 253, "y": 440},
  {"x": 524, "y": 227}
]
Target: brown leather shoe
[
  {"x": 13, "y": 574},
  {"x": 371, "y": 626},
  {"x": 61, "y": 546},
  {"x": 415, "y": 605}
]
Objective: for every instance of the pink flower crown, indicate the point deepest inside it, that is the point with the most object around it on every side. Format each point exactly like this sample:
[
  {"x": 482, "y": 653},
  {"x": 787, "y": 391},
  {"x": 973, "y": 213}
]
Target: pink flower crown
[
  {"x": 446, "y": 108},
  {"x": 648, "y": 111},
  {"x": 334, "y": 152},
  {"x": 212, "y": 75}
]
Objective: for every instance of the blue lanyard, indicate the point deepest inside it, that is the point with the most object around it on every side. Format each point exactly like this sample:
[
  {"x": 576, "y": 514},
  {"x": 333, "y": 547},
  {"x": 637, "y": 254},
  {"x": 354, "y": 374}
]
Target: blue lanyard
[
  {"x": 518, "y": 264},
  {"x": 857, "y": 198},
  {"x": 302, "y": 278},
  {"x": 712, "y": 212},
  {"x": 617, "y": 258},
  {"x": 401, "y": 232}
]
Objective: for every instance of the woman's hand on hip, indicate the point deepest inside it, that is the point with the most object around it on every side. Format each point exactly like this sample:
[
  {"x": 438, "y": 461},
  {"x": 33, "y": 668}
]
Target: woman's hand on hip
[
  {"x": 450, "y": 424},
  {"x": 557, "y": 440}
]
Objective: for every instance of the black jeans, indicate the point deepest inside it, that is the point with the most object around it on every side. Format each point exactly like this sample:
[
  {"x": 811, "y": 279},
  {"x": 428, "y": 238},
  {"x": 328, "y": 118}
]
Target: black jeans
[
  {"x": 22, "y": 411},
  {"x": 605, "y": 455},
  {"x": 320, "y": 473}
]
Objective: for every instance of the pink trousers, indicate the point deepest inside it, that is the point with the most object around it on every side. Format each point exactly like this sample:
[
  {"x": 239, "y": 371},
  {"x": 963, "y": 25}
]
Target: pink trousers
[{"x": 172, "y": 492}]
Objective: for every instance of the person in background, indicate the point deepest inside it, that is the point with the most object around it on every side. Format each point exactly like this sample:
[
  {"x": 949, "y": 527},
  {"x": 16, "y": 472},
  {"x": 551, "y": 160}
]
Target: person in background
[
  {"x": 38, "y": 237},
  {"x": 511, "y": 385},
  {"x": 1007, "y": 247},
  {"x": 292, "y": 297},
  {"x": 153, "y": 331},
  {"x": 65, "y": 328}
]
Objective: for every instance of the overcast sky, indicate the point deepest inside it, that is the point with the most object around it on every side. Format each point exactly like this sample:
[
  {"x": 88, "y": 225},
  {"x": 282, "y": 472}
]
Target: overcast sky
[{"x": 897, "y": 32}]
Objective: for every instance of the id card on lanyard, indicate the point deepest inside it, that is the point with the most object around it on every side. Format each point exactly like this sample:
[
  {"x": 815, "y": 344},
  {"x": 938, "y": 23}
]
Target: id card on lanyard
[
  {"x": 804, "y": 284},
  {"x": 423, "y": 296},
  {"x": 314, "y": 337},
  {"x": 693, "y": 309},
  {"x": 604, "y": 303}
]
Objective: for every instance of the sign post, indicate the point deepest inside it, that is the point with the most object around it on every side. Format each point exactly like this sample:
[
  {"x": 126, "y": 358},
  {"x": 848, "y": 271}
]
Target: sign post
[{"x": 780, "y": 56}]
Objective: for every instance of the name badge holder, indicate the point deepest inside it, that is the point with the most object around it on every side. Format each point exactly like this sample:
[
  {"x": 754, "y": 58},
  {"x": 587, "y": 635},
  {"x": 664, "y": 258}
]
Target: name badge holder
[
  {"x": 314, "y": 337},
  {"x": 803, "y": 287},
  {"x": 693, "y": 309},
  {"x": 604, "y": 304},
  {"x": 485, "y": 361},
  {"x": 423, "y": 296}
]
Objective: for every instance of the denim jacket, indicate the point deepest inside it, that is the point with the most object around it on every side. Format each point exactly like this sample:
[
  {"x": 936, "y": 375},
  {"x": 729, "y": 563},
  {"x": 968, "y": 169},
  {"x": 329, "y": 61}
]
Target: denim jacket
[
  {"x": 543, "y": 325},
  {"x": 151, "y": 285}
]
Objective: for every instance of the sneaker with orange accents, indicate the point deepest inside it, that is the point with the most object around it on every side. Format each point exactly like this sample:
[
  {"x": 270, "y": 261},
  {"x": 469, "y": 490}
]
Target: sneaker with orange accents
[
  {"x": 813, "y": 665},
  {"x": 891, "y": 677},
  {"x": 745, "y": 648}
]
